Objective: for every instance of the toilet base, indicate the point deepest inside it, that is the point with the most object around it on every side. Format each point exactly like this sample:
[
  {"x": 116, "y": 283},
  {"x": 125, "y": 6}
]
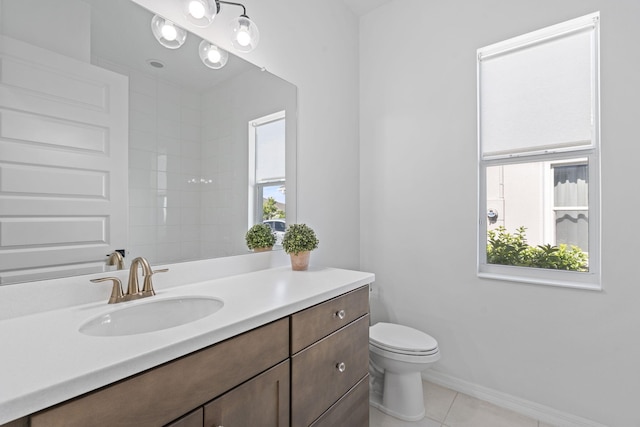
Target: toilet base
[{"x": 402, "y": 396}]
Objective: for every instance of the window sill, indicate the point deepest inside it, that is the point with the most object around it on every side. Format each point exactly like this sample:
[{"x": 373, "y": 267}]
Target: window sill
[{"x": 589, "y": 281}]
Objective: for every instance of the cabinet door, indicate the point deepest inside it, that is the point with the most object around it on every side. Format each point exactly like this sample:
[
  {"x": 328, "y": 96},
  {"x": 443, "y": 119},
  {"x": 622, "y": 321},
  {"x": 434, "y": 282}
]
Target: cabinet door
[{"x": 262, "y": 401}]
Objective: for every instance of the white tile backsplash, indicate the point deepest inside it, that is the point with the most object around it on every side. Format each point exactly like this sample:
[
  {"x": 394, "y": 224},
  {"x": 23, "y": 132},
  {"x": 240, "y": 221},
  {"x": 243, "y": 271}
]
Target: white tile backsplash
[
  {"x": 142, "y": 102},
  {"x": 142, "y": 159},
  {"x": 143, "y": 121},
  {"x": 142, "y": 140},
  {"x": 143, "y": 83},
  {"x": 168, "y": 111},
  {"x": 142, "y": 178},
  {"x": 142, "y": 216},
  {"x": 190, "y": 116},
  {"x": 169, "y": 234},
  {"x": 168, "y": 145},
  {"x": 143, "y": 234},
  {"x": 191, "y": 150},
  {"x": 191, "y": 100},
  {"x": 169, "y": 128},
  {"x": 170, "y": 155},
  {"x": 190, "y": 132}
]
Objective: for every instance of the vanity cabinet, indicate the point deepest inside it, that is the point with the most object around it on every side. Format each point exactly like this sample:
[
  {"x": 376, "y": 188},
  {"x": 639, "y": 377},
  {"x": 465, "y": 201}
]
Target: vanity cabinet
[
  {"x": 330, "y": 362},
  {"x": 160, "y": 395},
  {"x": 307, "y": 369}
]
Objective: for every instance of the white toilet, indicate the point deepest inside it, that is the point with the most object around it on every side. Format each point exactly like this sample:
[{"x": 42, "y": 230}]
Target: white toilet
[{"x": 397, "y": 356}]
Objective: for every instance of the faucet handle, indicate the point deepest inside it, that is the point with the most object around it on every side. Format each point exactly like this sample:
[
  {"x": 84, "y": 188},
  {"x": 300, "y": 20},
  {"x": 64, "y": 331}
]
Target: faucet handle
[
  {"x": 147, "y": 288},
  {"x": 116, "y": 291}
]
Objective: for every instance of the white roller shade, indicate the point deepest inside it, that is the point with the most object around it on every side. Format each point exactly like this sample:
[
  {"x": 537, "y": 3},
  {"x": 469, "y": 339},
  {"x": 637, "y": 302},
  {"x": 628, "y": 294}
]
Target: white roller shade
[
  {"x": 536, "y": 92},
  {"x": 270, "y": 151}
]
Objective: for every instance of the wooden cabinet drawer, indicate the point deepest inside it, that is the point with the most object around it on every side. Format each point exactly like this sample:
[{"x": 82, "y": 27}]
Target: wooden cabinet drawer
[
  {"x": 315, "y": 323},
  {"x": 315, "y": 378},
  {"x": 163, "y": 394},
  {"x": 352, "y": 410},
  {"x": 262, "y": 401}
]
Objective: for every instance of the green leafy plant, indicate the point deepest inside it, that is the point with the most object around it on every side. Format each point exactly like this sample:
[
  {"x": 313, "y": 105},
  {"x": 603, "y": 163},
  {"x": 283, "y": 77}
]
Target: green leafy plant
[
  {"x": 260, "y": 236},
  {"x": 299, "y": 238},
  {"x": 270, "y": 209},
  {"x": 512, "y": 249}
]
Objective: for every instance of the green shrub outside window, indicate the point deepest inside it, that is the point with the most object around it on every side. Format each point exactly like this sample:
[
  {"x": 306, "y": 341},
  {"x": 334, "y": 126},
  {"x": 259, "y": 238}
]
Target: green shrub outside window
[{"x": 512, "y": 249}]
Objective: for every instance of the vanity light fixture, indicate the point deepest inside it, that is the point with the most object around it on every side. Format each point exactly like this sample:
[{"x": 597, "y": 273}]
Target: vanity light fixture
[
  {"x": 243, "y": 31},
  {"x": 167, "y": 33},
  {"x": 212, "y": 56}
]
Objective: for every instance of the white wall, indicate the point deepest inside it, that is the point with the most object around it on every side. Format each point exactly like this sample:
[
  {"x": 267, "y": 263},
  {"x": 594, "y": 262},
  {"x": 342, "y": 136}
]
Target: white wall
[
  {"x": 313, "y": 45},
  {"x": 18, "y": 20},
  {"x": 575, "y": 351}
]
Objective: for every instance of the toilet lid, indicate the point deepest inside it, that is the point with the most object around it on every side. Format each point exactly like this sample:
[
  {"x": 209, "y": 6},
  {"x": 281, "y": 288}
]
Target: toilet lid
[{"x": 400, "y": 338}]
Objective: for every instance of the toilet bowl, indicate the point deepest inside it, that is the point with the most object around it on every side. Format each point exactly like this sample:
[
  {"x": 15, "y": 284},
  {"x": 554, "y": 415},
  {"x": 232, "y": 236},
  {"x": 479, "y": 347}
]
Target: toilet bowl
[{"x": 398, "y": 354}]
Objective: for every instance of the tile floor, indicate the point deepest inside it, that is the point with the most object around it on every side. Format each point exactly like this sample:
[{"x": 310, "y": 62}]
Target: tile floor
[{"x": 448, "y": 408}]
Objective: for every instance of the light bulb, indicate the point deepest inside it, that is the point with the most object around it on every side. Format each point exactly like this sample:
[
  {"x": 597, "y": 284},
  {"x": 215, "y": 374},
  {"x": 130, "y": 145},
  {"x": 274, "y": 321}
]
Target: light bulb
[
  {"x": 244, "y": 34},
  {"x": 196, "y": 9},
  {"x": 243, "y": 37},
  {"x": 214, "y": 55},
  {"x": 169, "y": 32},
  {"x": 200, "y": 12}
]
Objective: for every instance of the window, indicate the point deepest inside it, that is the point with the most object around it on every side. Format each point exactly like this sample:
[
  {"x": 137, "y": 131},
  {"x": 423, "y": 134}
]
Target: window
[
  {"x": 267, "y": 195},
  {"x": 571, "y": 203},
  {"x": 538, "y": 156}
]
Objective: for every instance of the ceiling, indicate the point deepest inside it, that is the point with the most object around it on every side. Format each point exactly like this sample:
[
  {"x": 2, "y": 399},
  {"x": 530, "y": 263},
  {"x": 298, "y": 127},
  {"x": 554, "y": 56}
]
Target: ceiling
[{"x": 362, "y": 7}]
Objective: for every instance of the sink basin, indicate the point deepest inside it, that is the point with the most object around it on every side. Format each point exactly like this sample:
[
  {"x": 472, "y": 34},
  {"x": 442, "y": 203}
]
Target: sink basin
[{"x": 152, "y": 315}]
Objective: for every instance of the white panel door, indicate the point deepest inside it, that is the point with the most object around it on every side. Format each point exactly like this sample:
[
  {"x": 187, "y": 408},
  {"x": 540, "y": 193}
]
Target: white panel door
[{"x": 63, "y": 163}]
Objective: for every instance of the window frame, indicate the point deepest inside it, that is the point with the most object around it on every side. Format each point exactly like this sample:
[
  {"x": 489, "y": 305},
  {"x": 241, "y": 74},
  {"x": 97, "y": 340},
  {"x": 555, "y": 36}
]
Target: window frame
[
  {"x": 551, "y": 209},
  {"x": 590, "y": 280},
  {"x": 257, "y": 188}
]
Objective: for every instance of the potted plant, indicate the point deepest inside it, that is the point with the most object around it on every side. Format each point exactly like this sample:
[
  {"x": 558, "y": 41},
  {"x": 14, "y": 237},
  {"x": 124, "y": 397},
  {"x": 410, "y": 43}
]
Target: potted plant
[
  {"x": 260, "y": 238},
  {"x": 298, "y": 241}
]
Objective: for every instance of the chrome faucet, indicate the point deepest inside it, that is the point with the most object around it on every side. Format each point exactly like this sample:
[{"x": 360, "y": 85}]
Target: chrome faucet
[{"x": 133, "y": 289}]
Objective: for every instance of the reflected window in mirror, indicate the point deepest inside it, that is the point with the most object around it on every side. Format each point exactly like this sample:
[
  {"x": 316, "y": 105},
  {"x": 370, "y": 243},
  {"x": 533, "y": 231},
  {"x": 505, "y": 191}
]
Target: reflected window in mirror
[{"x": 267, "y": 191}]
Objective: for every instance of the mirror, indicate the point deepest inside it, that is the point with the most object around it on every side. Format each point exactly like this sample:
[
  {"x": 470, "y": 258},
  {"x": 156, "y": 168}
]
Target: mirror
[{"x": 189, "y": 194}]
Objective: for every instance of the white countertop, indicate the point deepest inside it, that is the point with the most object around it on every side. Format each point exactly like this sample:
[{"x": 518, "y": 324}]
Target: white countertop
[{"x": 44, "y": 360}]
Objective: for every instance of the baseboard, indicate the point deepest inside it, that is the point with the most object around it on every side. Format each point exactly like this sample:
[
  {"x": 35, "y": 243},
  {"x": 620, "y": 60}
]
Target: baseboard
[{"x": 525, "y": 407}]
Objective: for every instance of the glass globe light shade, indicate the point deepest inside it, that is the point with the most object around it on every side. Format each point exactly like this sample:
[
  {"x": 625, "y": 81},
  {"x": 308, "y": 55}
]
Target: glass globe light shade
[
  {"x": 212, "y": 56},
  {"x": 167, "y": 33},
  {"x": 244, "y": 34},
  {"x": 200, "y": 12}
]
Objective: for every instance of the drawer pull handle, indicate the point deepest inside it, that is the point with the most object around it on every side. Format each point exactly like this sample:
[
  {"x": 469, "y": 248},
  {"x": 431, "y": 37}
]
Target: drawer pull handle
[
  {"x": 341, "y": 367},
  {"x": 341, "y": 314}
]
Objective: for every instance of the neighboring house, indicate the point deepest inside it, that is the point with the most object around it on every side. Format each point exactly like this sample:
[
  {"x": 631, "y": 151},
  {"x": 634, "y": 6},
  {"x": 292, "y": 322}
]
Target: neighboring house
[{"x": 548, "y": 198}]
